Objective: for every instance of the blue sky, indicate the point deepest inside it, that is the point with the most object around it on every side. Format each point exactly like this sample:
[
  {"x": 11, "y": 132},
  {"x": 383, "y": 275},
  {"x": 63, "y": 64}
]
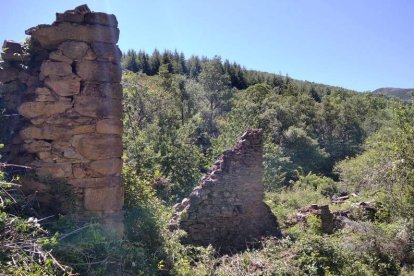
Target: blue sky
[{"x": 356, "y": 44}]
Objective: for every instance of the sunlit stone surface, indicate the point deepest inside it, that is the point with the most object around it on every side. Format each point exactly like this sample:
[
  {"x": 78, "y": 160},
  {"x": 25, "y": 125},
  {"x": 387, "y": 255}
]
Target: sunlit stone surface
[{"x": 67, "y": 90}]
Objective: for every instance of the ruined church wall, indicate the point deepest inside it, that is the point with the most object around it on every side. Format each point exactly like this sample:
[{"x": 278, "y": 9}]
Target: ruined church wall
[
  {"x": 66, "y": 88},
  {"x": 227, "y": 208}
]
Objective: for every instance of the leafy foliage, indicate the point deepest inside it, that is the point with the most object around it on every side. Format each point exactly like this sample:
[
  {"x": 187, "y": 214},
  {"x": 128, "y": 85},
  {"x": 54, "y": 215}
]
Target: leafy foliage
[{"x": 179, "y": 115}]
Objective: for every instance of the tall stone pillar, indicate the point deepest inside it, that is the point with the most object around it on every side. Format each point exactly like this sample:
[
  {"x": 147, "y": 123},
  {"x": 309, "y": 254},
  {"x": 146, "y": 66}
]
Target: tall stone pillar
[{"x": 74, "y": 110}]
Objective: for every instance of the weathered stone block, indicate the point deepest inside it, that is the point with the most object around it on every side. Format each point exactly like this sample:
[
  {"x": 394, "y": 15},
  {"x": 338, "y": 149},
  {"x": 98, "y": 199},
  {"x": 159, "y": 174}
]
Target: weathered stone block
[
  {"x": 79, "y": 170},
  {"x": 38, "y": 121},
  {"x": 64, "y": 86},
  {"x": 99, "y": 71},
  {"x": 54, "y": 132},
  {"x": 82, "y": 9},
  {"x": 51, "y": 68},
  {"x": 50, "y": 37},
  {"x": 108, "y": 199},
  {"x": 107, "y": 166},
  {"x": 96, "y": 182},
  {"x": 109, "y": 126},
  {"x": 69, "y": 17},
  {"x": 98, "y": 107},
  {"x": 97, "y": 147},
  {"x": 58, "y": 56},
  {"x": 69, "y": 119},
  {"x": 57, "y": 170},
  {"x": 90, "y": 55},
  {"x": 101, "y": 19},
  {"x": 74, "y": 50},
  {"x": 44, "y": 155},
  {"x": 107, "y": 51},
  {"x": 38, "y": 109},
  {"x": 37, "y": 146},
  {"x": 43, "y": 94}
]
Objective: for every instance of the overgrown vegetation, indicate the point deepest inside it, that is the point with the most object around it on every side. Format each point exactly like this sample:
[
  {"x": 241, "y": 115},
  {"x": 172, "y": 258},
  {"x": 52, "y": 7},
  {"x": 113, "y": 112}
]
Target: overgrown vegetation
[{"x": 321, "y": 142}]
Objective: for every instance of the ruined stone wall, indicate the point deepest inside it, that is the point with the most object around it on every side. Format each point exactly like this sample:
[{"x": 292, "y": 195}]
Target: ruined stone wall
[
  {"x": 227, "y": 208},
  {"x": 14, "y": 81},
  {"x": 67, "y": 88}
]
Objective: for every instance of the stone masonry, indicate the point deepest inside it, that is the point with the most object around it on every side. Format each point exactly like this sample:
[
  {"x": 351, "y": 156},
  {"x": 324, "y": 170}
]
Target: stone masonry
[
  {"x": 227, "y": 208},
  {"x": 66, "y": 86}
]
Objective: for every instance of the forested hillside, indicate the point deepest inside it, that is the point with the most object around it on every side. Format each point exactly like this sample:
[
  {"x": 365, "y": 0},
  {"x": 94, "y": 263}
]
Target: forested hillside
[
  {"x": 402, "y": 94},
  {"x": 324, "y": 145},
  {"x": 182, "y": 113}
]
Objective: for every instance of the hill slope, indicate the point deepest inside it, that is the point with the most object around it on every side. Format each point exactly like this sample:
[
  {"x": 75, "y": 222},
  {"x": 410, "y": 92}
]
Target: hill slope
[{"x": 402, "y": 94}]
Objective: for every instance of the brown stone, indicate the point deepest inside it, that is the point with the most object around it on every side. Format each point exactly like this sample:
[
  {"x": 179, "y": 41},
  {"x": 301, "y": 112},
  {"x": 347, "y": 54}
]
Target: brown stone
[
  {"x": 79, "y": 171},
  {"x": 69, "y": 17},
  {"x": 98, "y": 107},
  {"x": 97, "y": 147},
  {"x": 56, "y": 170},
  {"x": 43, "y": 94},
  {"x": 54, "y": 132},
  {"x": 74, "y": 16},
  {"x": 106, "y": 51},
  {"x": 38, "y": 109},
  {"x": 72, "y": 99},
  {"x": 90, "y": 55},
  {"x": 60, "y": 145},
  {"x": 68, "y": 119},
  {"x": 37, "y": 146},
  {"x": 82, "y": 9},
  {"x": 44, "y": 155},
  {"x": 109, "y": 126},
  {"x": 64, "y": 86},
  {"x": 74, "y": 50},
  {"x": 38, "y": 121},
  {"x": 58, "y": 56},
  {"x": 101, "y": 19},
  {"x": 107, "y": 166},
  {"x": 99, "y": 71},
  {"x": 104, "y": 199},
  {"x": 52, "y": 68},
  {"x": 70, "y": 153},
  {"x": 110, "y": 90},
  {"x": 50, "y": 37},
  {"x": 96, "y": 182},
  {"x": 63, "y": 148}
]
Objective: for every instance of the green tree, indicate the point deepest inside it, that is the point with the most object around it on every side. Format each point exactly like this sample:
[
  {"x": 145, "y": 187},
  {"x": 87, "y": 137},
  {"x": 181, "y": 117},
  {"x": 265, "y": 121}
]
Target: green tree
[{"x": 216, "y": 86}]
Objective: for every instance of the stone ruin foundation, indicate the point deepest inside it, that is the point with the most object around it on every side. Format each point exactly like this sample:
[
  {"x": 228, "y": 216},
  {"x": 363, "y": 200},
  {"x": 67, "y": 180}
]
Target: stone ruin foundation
[
  {"x": 65, "y": 84},
  {"x": 227, "y": 208}
]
